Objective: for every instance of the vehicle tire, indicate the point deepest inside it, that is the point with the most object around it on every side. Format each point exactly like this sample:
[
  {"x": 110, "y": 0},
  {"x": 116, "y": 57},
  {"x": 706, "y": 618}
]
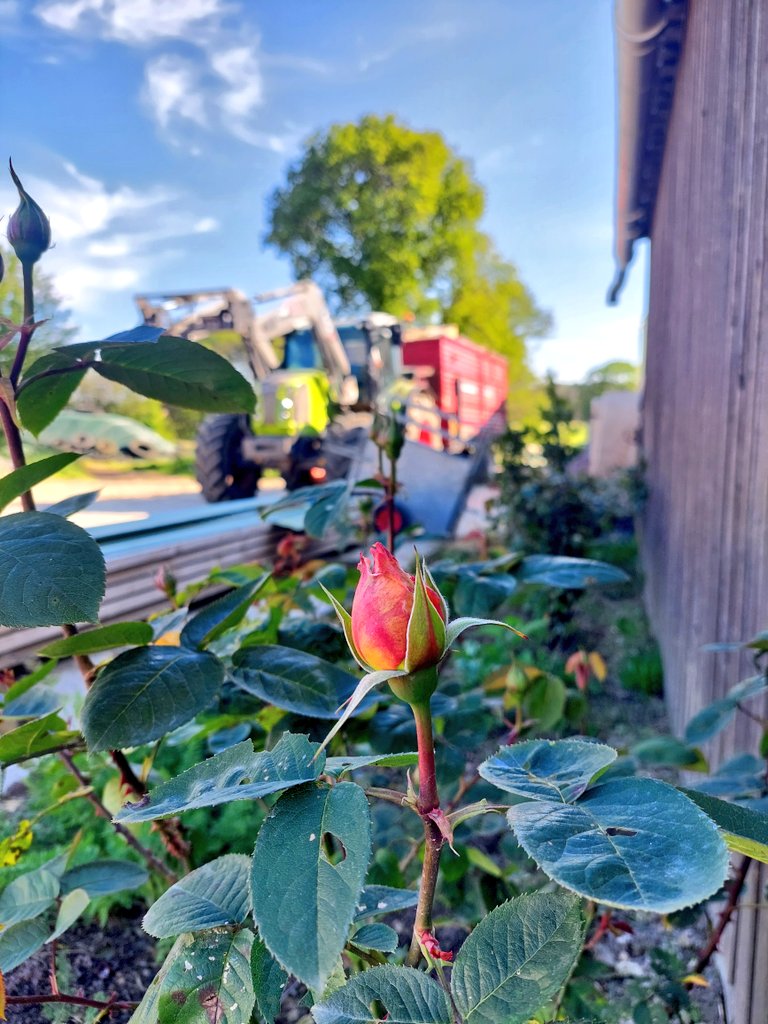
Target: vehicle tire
[{"x": 220, "y": 469}]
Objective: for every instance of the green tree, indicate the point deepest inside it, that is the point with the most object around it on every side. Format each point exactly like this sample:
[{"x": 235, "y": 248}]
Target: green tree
[
  {"x": 48, "y": 307},
  {"x": 615, "y": 375},
  {"x": 387, "y": 217}
]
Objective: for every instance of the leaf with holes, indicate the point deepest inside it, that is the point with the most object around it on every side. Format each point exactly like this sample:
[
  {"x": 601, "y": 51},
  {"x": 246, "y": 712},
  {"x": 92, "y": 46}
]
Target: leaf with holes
[
  {"x": 269, "y": 980},
  {"x": 205, "y": 978},
  {"x": 517, "y": 958},
  {"x": 213, "y": 895},
  {"x": 309, "y": 866},
  {"x": 220, "y": 615},
  {"x": 547, "y": 770},
  {"x": 105, "y": 638},
  {"x": 235, "y": 774},
  {"x": 51, "y": 571},
  {"x": 145, "y": 693},
  {"x": 406, "y": 996},
  {"x": 103, "y": 877},
  {"x": 178, "y": 372},
  {"x": 631, "y": 843},
  {"x": 21, "y": 479},
  {"x": 292, "y": 680}
]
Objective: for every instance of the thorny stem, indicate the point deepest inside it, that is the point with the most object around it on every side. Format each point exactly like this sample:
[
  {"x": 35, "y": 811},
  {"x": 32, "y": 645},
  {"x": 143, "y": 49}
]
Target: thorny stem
[
  {"x": 734, "y": 891},
  {"x": 101, "y": 810},
  {"x": 169, "y": 830},
  {"x": 99, "y": 1004},
  {"x": 428, "y": 801}
]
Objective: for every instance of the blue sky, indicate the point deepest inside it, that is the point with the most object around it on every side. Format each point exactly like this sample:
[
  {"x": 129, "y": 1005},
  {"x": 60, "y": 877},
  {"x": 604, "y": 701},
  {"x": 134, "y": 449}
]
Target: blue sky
[{"x": 154, "y": 131}]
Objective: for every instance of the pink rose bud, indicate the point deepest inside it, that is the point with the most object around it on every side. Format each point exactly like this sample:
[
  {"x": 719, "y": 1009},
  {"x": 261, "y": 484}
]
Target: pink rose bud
[{"x": 397, "y": 620}]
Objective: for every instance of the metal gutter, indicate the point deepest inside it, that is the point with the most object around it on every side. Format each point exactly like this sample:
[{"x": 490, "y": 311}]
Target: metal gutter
[{"x": 649, "y": 40}]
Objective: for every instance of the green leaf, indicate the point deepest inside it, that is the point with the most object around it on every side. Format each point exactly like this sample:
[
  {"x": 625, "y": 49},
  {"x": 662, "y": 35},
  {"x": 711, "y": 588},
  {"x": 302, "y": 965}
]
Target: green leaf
[
  {"x": 547, "y": 770},
  {"x": 221, "y": 615},
  {"x": 363, "y": 688},
  {"x": 103, "y": 877},
  {"x": 142, "y": 333},
  {"x": 215, "y": 894},
  {"x": 376, "y": 900},
  {"x": 715, "y": 716},
  {"x": 479, "y": 596},
  {"x": 407, "y": 997},
  {"x": 33, "y": 739},
  {"x": 632, "y": 843},
  {"x": 338, "y": 766},
  {"x": 120, "y": 634},
  {"x": 458, "y": 626},
  {"x": 544, "y": 700},
  {"x": 668, "y": 752},
  {"x": 269, "y": 980},
  {"x": 20, "y": 480},
  {"x": 20, "y": 941},
  {"x": 376, "y": 936},
  {"x": 303, "y": 903},
  {"x": 517, "y": 958},
  {"x": 68, "y": 506},
  {"x": 346, "y": 624},
  {"x": 235, "y": 774},
  {"x": 39, "y": 402},
  {"x": 568, "y": 573},
  {"x": 144, "y": 693},
  {"x": 51, "y": 572},
  {"x": 293, "y": 680},
  {"x": 744, "y": 830},
  {"x": 178, "y": 372},
  {"x": 206, "y": 979},
  {"x": 71, "y": 908},
  {"x": 28, "y": 896}
]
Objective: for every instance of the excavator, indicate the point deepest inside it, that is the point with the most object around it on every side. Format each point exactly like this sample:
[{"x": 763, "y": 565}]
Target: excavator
[{"x": 317, "y": 383}]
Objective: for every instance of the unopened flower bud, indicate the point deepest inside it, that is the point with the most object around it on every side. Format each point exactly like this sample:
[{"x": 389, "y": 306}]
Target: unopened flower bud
[
  {"x": 28, "y": 229},
  {"x": 397, "y": 621}
]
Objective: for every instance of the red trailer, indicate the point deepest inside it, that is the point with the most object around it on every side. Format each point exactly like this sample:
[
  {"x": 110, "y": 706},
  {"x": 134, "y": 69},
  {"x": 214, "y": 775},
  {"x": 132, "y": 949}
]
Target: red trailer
[{"x": 470, "y": 383}]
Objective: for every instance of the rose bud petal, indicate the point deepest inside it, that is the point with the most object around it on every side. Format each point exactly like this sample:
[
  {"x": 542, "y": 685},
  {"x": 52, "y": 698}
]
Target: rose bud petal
[{"x": 382, "y": 611}]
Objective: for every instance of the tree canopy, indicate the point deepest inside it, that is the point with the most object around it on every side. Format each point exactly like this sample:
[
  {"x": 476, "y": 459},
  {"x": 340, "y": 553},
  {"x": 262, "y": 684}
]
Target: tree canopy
[{"x": 386, "y": 217}]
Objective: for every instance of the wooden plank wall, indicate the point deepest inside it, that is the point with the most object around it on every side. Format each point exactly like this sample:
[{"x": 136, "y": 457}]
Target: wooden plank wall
[{"x": 705, "y": 416}]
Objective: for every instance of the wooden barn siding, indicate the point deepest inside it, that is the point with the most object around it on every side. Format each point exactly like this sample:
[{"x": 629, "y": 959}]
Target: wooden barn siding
[{"x": 705, "y": 416}]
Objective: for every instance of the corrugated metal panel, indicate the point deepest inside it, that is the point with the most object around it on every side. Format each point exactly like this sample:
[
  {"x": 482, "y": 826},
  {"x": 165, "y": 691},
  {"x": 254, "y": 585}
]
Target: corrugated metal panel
[{"x": 705, "y": 420}]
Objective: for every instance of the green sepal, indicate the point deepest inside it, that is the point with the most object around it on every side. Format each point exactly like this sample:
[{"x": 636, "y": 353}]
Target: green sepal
[
  {"x": 426, "y": 629},
  {"x": 346, "y": 624}
]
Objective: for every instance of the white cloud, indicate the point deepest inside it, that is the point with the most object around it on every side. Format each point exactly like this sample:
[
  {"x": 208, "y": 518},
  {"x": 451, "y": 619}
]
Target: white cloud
[
  {"x": 216, "y": 85},
  {"x": 584, "y": 342},
  {"x": 132, "y": 21},
  {"x": 173, "y": 90},
  {"x": 239, "y": 68},
  {"x": 119, "y": 236}
]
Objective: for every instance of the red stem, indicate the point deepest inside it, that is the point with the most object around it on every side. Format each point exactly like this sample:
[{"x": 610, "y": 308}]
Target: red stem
[
  {"x": 734, "y": 892},
  {"x": 98, "y": 1004}
]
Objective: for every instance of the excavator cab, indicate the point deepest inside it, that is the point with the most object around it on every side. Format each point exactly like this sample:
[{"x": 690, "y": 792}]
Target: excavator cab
[{"x": 312, "y": 377}]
